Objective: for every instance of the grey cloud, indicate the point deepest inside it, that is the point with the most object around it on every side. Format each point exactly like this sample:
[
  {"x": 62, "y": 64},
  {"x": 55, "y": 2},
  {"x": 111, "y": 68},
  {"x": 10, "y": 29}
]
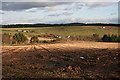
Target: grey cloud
[
  {"x": 16, "y": 6},
  {"x": 98, "y": 4},
  {"x": 60, "y": 14},
  {"x": 76, "y": 6}
]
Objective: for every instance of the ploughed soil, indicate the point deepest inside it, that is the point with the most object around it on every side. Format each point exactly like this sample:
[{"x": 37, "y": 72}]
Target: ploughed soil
[{"x": 82, "y": 60}]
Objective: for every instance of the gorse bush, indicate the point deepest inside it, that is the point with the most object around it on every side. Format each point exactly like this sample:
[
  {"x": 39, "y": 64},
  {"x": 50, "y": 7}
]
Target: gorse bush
[
  {"x": 118, "y": 39},
  {"x": 19, "y": 38},
  {"x": 45, "y": 41},
  {"x": 34, "y": 39},
  {"x": 112, "y": 38},
  {"x": 106, "y": 38}
]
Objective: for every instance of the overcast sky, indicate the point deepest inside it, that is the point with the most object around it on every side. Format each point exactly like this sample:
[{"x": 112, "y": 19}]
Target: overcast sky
[{"x": 59, "y": 12}]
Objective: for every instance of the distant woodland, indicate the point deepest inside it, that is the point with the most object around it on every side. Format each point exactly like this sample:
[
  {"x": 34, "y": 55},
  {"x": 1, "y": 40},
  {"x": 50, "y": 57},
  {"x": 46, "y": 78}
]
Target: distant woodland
[{"x": 54, "y": 25}]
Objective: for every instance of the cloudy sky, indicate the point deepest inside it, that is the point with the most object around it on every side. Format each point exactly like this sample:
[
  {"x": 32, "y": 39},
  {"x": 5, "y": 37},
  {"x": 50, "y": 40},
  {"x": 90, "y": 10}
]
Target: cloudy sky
[{"x": 59, "y": 12}]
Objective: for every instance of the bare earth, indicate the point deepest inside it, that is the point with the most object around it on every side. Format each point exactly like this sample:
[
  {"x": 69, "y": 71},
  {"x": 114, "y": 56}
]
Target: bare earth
[
  {"x": 81, "y": 44},
  {"x": 84, "y": 60}
]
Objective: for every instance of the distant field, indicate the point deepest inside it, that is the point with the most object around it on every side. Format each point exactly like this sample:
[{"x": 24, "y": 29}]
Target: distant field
[{"x": 66, "y": 31}]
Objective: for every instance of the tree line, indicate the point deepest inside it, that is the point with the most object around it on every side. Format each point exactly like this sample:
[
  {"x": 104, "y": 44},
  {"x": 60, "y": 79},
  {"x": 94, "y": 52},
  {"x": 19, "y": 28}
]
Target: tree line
[{"x": 54, "y": 25}]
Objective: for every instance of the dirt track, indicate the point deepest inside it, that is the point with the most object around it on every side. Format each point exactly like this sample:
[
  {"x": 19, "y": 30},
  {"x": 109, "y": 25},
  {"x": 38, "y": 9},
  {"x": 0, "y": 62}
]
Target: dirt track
[{"x": 81, "y": 44}]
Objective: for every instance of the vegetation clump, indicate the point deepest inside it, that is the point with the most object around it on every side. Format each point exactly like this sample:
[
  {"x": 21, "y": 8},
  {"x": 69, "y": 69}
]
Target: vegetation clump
[
  {"x": 34, "y": 39},
  {"x": 19, "y": 38},
  {"x": 112, "y": 38},
  {"x": 96, "y": 37},
  {"x": 6, "y": 38}
]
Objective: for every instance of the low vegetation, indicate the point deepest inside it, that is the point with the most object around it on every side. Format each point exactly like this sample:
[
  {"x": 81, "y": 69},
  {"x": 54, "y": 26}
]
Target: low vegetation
[
  {"x": 19, "y": 38},
  {"x": 112, "y": 38},
  {"x": 34, "y": 39},
  {"x": 6, "y": 38},
  {"x": 58, "y": 34}
]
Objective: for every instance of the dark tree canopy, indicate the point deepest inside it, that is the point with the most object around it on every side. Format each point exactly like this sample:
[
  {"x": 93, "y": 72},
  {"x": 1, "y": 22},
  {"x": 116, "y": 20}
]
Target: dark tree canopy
[{"x": 112, "y": 38}]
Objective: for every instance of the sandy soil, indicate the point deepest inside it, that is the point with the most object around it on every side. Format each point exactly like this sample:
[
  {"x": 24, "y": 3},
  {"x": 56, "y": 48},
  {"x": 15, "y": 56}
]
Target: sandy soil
[{"x": 81, "y": 44}]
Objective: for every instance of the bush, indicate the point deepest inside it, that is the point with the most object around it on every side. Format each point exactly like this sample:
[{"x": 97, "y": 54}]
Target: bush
[
  {"x": 106, "y": 38},
  {"x": 34, "y": 39},
  {"x": 6, "y": 38},
  {"x": 84, "y": 38},
  {"x": 96, "y": 37},
  {"x": 19, "y": 38},
  {"x": 53, "y": 41},
  {"x": 45, "y": 41},
  {"x": 118, "y": 39},
  {"x": 112, "y": 38}
]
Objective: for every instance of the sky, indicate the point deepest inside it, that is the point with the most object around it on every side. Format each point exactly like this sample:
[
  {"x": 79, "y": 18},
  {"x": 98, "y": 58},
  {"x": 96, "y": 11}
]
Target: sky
[{"x": 58, "y": 12}]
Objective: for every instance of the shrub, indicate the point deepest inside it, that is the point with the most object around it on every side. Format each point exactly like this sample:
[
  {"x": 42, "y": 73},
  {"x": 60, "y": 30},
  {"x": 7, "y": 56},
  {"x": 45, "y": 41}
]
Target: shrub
[
  {"x": 53, "y": 41},
  {"x": 44, "y": 41},
  {"x": 34, "y": 39},
  {"x": 106, "y": 38},
  {"x": 6, "y": 38},
  {"x": 96, "y": 37},
  {"x": 19, "y": 38},
  {"x": 114, "y": 38},
  {"x": 118, "y": 39}
]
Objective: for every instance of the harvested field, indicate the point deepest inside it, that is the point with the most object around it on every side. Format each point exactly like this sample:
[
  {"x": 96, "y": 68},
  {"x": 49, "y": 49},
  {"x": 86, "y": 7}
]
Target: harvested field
[{"x": 83, "y": 60}]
